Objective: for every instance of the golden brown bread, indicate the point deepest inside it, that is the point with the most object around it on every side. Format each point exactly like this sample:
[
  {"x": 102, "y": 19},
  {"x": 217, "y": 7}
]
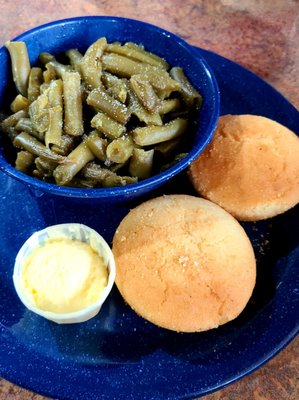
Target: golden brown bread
[
  {"x": 251, "y": 167},
  {"x": 184, "y": 263}
]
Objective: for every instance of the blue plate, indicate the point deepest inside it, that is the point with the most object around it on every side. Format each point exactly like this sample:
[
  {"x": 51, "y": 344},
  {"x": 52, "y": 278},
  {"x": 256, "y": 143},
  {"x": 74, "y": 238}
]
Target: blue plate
[{"x": 118, "y": 355}]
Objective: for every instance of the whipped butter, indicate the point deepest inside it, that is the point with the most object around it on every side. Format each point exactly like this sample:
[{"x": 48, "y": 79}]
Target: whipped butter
[{"x": 64, "y": 275}]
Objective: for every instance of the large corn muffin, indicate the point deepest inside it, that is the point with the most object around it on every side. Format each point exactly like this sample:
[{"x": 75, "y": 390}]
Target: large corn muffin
[{"x": 184, "y": 263}]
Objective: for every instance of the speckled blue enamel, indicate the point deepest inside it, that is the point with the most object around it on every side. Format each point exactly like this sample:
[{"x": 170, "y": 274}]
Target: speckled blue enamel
[
  {"x": 118, "y": 355},
  {"x": 79, "y": 33}
]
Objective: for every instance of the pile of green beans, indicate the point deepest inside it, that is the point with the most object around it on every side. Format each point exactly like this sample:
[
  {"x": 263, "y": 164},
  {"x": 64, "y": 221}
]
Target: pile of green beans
[{"x": 111, "y": 116}]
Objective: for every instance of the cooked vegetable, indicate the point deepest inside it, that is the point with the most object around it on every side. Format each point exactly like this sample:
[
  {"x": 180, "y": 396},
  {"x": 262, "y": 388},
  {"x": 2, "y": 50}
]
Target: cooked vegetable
[
  {"x": 109, "y": 116},
  {"x": 115, "y": 86},
  {"x": 73, "y": 113},
  {"x": 137, "y": 109},
  {"x": 97, "y": 145},
  {"x": 107, "y": 125},
  {"x": 74, "y": 162},
  {"x": 67, "y": 144},
  {"x": 31, "y": 144},
  {"x": 102, "y": 101},
  {"x": 75, "y": 58},
  {"x": 125, "y": 67},
  {"x": 24, "y": 160},
  {"x": 19, "y": 103},
  {"x": 54, "y": 131},
  {"x": 97, "y": 174},
  {"x": 8, "y": 125},
  {"x": 145, "y": 93},
  {"x": 39, "y": 112},
  {"x": 20, "y": 65},
  {"x": 120, "y": 150},
  {"x": 150, "y": 135},
  {"x": 141, "y": 163},
  {"x": 189, "y": 94},
  {"x": 135, "y": 52},
  {"x": 90, "y": 65}
]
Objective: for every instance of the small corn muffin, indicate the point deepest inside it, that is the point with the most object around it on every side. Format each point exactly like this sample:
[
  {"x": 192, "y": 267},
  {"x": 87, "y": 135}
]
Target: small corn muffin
[{"x": 251, "y": 167}]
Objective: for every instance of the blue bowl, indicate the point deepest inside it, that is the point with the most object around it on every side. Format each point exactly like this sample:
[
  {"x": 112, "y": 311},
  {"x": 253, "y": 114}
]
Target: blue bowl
[{"x": 80, "y": 32}]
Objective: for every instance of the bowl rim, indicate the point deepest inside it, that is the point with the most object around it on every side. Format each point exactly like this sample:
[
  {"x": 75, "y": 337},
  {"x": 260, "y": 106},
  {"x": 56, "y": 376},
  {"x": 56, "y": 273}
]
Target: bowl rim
[{"x": 142, "y": 186}]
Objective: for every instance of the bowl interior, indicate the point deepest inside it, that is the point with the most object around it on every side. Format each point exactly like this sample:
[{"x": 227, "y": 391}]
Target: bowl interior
[{"x": 56, "y": 37}]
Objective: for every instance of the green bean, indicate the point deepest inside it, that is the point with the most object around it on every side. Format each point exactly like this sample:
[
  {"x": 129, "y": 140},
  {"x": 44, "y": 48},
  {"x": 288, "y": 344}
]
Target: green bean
[
  {"x": 25, "y": 125},
  {"x": 115, "y": 86},
  {"x": 53, "y": 67},
  {"x": 152, "y": 58},
  {"x": 125, "y": 67},
  {"x": 49, "y": 74},
  {"x": 90, "y": 65},
  {"x": 116, "y": 180},
  {"x": 169, "y": 105},
  {"x": 99, "y": 174},
  {"x": 24, "y": 160},
  {"x": 138, "y": 53},
  {"x": 67, "y": 144},
  {"x": 189, "y": 94},
  {"x": 44, "y": 86},
  {"x": 20, "y": 65},
  {"x": 145, "y": 93},
  {"x": 55, "y": 93},
  {"x": 102, "y": 101},
  {"x": 74, "y": 162},
  {"x": 150, "y": 135},
  {"x": 75, "y": 58},
  {"x": 39, "y": 112},
  {"x": 45, "y": 57},
  {"x": 8, "y": 125},
  {"x": 54, "y": 131},
  {"x": 115, "y": 167},
  {"x": 44, "y": 166},
  {"x": 34, "y": 146},
  {"x": 12, "y": 120},
  {"x": 81, "y": 183},
  {"x": 19, "y": 103},
  {"x": 141, "y": 163},
  {"x": 137, "y": 109},
  {"x": 169, "y": 147},
  {"x": 59, "y": 68},
  {"x": 122, "y": 66},
  {"x": 37, "y": 174},
  {"x": 97, "y": 145},
  {"x": 34, "y": 82},
  {"x": 183, "y": 113},
  {"x": 120, "y": 150},
  {"x": 73, "y": 113},
  {"x": 96, "y": 173},
  {"x": 107, "y": 125}
]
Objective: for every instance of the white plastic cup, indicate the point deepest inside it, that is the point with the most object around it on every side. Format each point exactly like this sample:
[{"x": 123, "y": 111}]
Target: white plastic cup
[{"x": 72, "y": 231}]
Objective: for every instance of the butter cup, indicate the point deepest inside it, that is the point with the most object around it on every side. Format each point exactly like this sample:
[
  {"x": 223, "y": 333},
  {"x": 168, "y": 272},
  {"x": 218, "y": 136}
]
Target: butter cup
[{"x": 72, "y": 231}]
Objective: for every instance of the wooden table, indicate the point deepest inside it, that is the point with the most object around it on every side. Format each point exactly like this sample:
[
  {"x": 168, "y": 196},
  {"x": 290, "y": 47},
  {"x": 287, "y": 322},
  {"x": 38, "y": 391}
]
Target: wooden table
[{"x": 261, "y": 35}]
